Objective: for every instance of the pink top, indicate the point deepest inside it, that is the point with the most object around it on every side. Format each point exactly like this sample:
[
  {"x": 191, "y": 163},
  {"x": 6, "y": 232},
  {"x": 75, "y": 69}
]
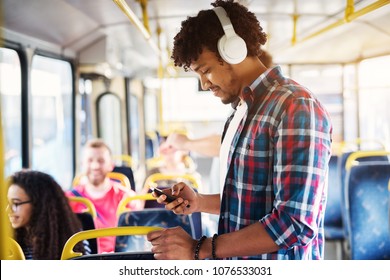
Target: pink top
[{"x": 106, "y": 207}]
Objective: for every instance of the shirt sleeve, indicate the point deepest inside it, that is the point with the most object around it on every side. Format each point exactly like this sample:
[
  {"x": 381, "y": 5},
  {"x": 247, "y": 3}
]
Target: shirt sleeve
[{"x": 301, "y": 153}]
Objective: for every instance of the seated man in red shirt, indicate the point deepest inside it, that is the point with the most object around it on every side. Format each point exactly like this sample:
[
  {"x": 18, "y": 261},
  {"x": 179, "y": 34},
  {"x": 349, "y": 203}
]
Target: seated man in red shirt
[{"x": 104, "y": 193}]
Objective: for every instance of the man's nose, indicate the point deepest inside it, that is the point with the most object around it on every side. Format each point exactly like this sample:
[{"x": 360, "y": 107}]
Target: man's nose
[{"x": 204, "y": 82}]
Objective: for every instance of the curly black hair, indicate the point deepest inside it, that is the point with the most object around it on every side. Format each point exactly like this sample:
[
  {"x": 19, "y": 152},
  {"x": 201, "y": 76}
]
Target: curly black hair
[
  {"x": 204, "y": 31},
  {"x": 52, "y": 221}
]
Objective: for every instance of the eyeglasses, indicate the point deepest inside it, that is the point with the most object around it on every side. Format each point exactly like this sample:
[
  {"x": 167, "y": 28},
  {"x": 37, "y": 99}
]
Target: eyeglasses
[{"x": 15, "y": 205}]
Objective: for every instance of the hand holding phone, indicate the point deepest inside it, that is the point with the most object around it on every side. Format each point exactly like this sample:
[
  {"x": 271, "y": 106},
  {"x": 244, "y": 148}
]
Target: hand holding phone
[{"x": 159, "y": 192}]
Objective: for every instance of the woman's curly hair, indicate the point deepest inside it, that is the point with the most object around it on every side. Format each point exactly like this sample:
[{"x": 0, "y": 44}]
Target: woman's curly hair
[
  {"x": 205, "y": 29},
  {"x": 52, "y": 221}
]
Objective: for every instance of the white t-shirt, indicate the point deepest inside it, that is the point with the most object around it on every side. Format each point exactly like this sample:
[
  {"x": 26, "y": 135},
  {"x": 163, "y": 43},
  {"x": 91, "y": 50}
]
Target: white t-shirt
[{"x": 227, "y": 141}]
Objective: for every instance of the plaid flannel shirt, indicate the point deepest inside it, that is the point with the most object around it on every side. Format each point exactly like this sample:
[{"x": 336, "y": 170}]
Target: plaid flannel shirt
[{"x": 277, "y": 168}]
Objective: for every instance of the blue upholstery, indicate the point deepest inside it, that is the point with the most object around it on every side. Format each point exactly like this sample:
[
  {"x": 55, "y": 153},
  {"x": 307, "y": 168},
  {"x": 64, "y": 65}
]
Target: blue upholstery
[
  {"x": 366, "y": 193},
  {"x": 333, "y": 220},
  {"x": 128, "y": 172},
  {"x": 152, "y": 217},
  {"x": 342, "y": 174},
  {"x": 151, "y": 146},
  {"x": 196, "y": 217}
]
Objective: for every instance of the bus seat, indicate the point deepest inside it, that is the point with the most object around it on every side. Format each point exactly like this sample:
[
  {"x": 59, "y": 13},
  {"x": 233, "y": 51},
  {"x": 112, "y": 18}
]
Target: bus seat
[
  {"x": 121, "y": 178},
  {"x": 163, "y": 181},
  {"x": 115, "y": 176},
  {"x": 350, "y": 158},
  {"x": 333, "y": 221},
  {"x": 122, "y": 206},
  {"x": 367, "y": 210},
  {"x": 87, "y": 223},
  {"x": 68, "y": 253},
  {"x": 124, "y": 164},
  {"x": 89, "y": 206},
  {"x": 151, "y": 144},
  {"x": 128, "y": 172},
  {"x": 159, "y": 217},
  {"x": 16, "y": 252}
]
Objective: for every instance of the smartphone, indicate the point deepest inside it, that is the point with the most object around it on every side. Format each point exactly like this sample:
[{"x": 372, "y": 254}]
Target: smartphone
[{"x": 159, "y": 192}]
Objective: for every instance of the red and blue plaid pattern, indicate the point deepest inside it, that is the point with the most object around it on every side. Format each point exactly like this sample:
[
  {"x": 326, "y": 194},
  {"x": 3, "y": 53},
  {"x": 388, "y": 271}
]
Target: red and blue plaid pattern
[{"x": 277, "y": 168}]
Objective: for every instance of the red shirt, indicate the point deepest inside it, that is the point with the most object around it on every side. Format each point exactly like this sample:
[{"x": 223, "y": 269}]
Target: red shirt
[{"x": 106, "y": 207}]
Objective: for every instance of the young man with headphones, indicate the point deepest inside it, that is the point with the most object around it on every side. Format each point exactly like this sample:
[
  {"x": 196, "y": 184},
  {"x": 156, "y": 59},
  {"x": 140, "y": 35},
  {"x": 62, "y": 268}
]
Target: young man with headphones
[{"x": 274, "y": 153}]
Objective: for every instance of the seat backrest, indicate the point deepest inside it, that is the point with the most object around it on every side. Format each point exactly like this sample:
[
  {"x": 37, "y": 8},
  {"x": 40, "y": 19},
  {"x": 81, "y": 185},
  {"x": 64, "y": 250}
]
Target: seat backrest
[
  {"x": 89, "y": 206},
  {"x": 68, "y": 253},
  {"x": 87, "y": 223},
  {"x": 151, "y": 144},
  {"x": 367, "y": 203},
  {"x": 123, "y": 204},
  {"x": 159, "y": 217},
  {"x": 163, "y": 180},
  {"x": 121, "y": 178},
  {"x": 128, "y": 172},
  {"x": 115, "y": 176},
  {"x": 333, "y": 208},
  {"x": 346, "y": 161}
]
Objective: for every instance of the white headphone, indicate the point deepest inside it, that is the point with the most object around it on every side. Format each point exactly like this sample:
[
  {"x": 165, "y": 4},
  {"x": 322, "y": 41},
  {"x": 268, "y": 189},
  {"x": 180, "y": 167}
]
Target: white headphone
[{"x": 231, "y": 47}]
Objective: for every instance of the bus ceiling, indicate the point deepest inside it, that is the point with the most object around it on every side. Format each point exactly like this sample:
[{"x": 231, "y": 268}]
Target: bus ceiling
[{"x": 104, "y": 33}]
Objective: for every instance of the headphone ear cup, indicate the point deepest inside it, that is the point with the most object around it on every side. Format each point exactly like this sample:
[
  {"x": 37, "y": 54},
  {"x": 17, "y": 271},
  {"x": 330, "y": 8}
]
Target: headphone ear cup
[{"x": 232, "y": 49}]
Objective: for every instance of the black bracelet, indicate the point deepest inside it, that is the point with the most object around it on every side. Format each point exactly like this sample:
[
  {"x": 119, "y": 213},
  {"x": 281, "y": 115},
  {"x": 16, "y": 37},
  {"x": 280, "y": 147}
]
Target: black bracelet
[
  {"x": 197, "y": 248},
  {"x": 213, "y": 246}
]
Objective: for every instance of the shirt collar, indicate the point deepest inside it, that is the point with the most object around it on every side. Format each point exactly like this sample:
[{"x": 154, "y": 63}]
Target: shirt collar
[{"x": 260, "y": 84}]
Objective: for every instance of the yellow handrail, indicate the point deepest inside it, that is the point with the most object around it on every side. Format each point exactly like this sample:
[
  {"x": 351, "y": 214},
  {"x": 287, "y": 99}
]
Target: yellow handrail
[
  {"x": 134, "y": 19},
  {"x": 124, "y": 158},
  {"x": 350, "y": 15},
  {"x": 351, "y": 160},
  {"x": 122, "y": 206},
  {"x": 342, "y": 146},
  {"x": 5, "y": 228},
  {"x": 90, "y": 206},
  {"x": 16, "y": 252},
  {"x": 120, "y": 177},
  {"x": 68, "y": 253},
  {"x": 112, "y": 175},
  {"x": 161, "y": 176}
]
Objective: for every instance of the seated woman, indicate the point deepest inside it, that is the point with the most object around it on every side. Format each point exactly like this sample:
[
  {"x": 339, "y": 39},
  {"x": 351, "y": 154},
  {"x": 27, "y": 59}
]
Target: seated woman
[{"x": 40, "y": 214}]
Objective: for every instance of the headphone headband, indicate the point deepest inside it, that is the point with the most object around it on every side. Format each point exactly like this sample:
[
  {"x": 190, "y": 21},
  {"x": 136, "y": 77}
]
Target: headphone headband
[
  {"x": 231, "y": 47},
  {"x": 225, "y": 21}
]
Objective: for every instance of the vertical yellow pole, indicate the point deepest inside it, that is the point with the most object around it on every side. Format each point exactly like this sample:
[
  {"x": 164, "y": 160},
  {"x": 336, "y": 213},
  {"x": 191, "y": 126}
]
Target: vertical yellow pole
[
  {"x": 160, "y": 76},
  {"x": 349, "y": 10},
  {"x": 5, "y": 231}
]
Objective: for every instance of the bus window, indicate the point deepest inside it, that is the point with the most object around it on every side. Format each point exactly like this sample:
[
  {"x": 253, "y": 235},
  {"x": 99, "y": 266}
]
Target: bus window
[
  {"x": 109, "y": 121},
  {"x": 51, "y": 89},
  {"x": 10, "y": 90},
  {"x": 325, "y": 81},
  {"x": 134, "y": 128},
  {"x": 374, "y": 98}
]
